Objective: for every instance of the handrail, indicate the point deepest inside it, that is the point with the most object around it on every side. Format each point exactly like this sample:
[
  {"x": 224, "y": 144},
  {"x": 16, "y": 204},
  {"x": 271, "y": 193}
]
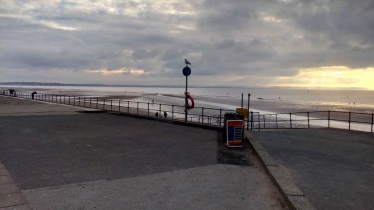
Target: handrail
[{"x": 207, "y": 115}]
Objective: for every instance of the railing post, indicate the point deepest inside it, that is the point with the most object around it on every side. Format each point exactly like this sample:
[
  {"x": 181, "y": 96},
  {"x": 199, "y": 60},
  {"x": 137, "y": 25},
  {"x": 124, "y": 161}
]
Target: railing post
[
  {"x": 111, "y": 105},
  {"x": 97, "y": 103},
  {"x": 90, "y": 102},
  {"x": 259, "y": 121},
  {"x": 308, "y": 120},
  {"x": 148, "y": 108},
  {"x": 372, "y": 122},
  {"x": 202, "y": 115},
  {"x": 128, "y": 106},
  {"x": 220, "y": 116},
  {"x": 290, "y": 121},
  {"x": 137, "y": 108},
  {"x": 276, "y": 120},
  {"x": 172, "y": 111},
  {"x": 119, "y": 105},
  {"x": 328, "y": 119},
  {"x": 73, "y": 100},
  {"x": 160, "y": 110},
  {"x": 60, "y": 99},
  {"x": 69, "y": 100},
  {"x": 264, "y": 121},
  {"x": 104, "y": 104},
  {"x": 349, "y": 121},
  {"x": 79, "y": 101}
]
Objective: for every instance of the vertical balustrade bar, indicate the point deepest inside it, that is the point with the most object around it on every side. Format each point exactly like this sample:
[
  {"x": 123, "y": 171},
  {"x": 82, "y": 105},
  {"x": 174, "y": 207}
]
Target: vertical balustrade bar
[
  {"x": 137, "y": 108},
  {"x": 308, "y": 120},
  {"x": 259, "y": 121},
  {"x": 372, "y": 122},
  {"x": 202, "y": 115},
  {"x": 128, "y": 106},
  {"x": 90, "y": 102},
  {"x": 349, "y": 121},
  {"x": 69, "y": 100},
  {"x": 220, "y": 116},
  {"x": 264, "y": 121},
  {"x": 148, "y": 109},
  {"x": 276, "y": 120},
  {"x": 160, "y": 111},
  {"x": 119, "y": 105},
  {"x": 104, "y": 104},
  {"x": 97, "y": 103},
  {"x": 111, "y": 105},
  {"x": 290, "y": 120},
  {"x": 172, "y": 112},
  {"x": 328, "y": 119}
]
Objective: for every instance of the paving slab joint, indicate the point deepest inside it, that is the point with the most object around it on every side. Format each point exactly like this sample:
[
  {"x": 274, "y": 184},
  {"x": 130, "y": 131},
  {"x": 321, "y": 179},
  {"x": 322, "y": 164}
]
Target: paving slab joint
[{"x": 293, "y": 196}]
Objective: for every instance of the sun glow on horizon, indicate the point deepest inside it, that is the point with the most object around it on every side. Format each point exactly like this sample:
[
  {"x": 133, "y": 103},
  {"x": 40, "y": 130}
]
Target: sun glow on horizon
[{"x": 330, "y": 77}]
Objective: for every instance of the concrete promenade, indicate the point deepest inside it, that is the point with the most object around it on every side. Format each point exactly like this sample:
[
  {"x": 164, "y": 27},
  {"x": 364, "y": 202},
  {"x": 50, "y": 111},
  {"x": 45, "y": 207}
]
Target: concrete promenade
[
  {"x": 333, "y": 168},
  {"x": 61, "y": 158}
]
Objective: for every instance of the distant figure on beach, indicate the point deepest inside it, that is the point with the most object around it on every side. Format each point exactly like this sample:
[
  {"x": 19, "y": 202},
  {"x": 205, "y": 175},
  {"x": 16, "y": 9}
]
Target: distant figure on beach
[
  {"x": 156, "y": 114},
  {"x": 187, "y": 62},
  {"x": 165, "y": 114}
]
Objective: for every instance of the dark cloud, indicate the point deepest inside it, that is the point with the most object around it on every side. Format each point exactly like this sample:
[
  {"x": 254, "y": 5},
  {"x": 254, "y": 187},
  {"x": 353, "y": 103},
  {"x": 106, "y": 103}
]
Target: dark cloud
[{"x": 220, "y": 38}]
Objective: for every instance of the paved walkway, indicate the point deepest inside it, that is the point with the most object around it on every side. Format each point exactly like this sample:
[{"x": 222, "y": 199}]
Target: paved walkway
[
  {"x": 107, "y": 161},
  {"x": 333, "y": 168}
]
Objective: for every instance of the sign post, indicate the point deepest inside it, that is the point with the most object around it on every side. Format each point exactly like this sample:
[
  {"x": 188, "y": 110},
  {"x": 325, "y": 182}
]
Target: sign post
[{"x": 186, "y": 72}]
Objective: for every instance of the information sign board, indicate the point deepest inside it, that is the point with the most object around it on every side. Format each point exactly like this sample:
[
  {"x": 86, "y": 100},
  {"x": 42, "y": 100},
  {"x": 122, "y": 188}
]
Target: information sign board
[{"x": 234, "y": 133}]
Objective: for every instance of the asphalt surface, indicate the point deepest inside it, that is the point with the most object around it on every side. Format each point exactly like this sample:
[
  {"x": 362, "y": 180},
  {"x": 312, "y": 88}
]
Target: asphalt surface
[
  {"x": 333, "y": 168},
  {"x": 65, "y": 159}
]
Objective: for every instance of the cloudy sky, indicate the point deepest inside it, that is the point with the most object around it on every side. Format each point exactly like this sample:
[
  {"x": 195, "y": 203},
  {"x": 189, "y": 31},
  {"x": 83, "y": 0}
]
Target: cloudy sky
[{"x": 310, "y": 43}]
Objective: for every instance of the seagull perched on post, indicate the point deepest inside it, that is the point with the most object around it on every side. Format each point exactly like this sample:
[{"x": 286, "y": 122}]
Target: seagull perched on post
[{"x": 187, "y": 62}]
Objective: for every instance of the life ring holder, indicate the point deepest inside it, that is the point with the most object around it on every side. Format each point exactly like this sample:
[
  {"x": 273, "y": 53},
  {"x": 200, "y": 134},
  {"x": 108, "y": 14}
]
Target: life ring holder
[{"x": 192, "y": 102}]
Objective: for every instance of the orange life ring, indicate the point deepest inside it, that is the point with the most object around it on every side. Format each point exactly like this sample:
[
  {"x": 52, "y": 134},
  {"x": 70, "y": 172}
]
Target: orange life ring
[{"x": 192, "y": 102}]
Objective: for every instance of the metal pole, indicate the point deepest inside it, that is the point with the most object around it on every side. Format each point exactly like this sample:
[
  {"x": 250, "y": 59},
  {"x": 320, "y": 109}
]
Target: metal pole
[
  {"x": 290, "y": 121},
  {"x": 160, "y": 111},
  {"x": 185, "y": 99},
  {"x": 220, "y": 116},
  {"x": 242, "y": 101},
  {"x": 119, "y": 106},
  {"x": 128, "y": 106},
  {"x": 79, "y": 101},
  {"x": 148, "y": 109},
  {"x": 372, "y": 122},
  {"x": 349, "y": 121},
  {"x": 137, "y": 108},
  {"x": 172, "y": 111},
  {"x": 259, "y": 121},
  {"x": 90, "y": 102},
  {"x": 97, "y": 103},
  {"x": 202, "y": 115},
  {"x": 104, "y": 104},
  {"x": 328, "y": 119},
  {"x": 264, "y": 121},
  {"x": 308, "y": 120},
  {"x": 276, "y": 120},
  {"x": 111, "y": 105}
]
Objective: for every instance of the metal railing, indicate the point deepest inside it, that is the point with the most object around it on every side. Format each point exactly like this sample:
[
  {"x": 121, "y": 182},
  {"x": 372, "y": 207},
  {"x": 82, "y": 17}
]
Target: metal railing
[
  {"x": 212, "y": 116},
  {"x": 317, "y": 119}
]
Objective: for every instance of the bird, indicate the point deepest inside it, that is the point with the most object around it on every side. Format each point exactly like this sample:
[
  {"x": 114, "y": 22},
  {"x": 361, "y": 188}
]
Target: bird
[{"x": 187, "y": 62}]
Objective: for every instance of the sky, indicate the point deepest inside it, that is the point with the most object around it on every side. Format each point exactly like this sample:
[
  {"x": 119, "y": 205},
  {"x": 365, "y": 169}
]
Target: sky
[{"x": 295, "y": 43}]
